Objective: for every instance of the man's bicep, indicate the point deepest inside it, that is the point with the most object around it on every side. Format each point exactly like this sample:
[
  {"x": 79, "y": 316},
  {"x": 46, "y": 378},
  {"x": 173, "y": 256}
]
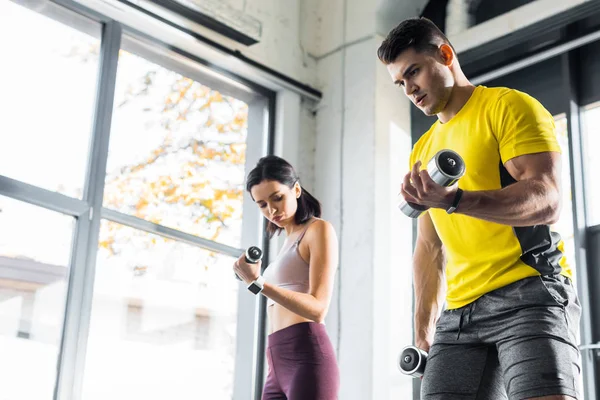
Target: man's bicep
[{"x": 544, "y": 165}]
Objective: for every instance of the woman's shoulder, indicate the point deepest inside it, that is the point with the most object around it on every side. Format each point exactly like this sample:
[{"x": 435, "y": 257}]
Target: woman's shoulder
[{"x": 319, "y": 228}]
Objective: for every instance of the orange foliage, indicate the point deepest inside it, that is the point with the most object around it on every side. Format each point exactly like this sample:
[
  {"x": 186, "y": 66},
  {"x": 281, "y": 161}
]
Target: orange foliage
[{"x": 191, "y": 183}]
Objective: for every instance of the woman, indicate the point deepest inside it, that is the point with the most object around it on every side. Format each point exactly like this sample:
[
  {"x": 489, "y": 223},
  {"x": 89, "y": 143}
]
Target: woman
[{"x": 298, "y": 285}]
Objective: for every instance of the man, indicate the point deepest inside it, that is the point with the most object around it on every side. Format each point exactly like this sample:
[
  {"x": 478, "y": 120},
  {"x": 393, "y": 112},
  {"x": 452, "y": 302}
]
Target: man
[{"x": 510, "y": 326}]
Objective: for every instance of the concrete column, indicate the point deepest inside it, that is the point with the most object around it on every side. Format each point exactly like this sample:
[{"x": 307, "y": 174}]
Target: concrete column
[{"x": 361, "y": 155}]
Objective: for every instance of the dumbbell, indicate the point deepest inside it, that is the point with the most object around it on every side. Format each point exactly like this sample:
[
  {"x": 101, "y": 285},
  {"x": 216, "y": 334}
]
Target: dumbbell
[
  {"x": 252, "y": 256},
  {"x": 412, "y": 361},
  {"x": 445, "y": 169}
]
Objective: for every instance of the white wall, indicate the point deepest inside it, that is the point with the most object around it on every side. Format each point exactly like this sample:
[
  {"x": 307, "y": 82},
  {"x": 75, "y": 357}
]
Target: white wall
[
  {"x": 393, "y": 239},
  {"x": 281, "y": 47},
  {"x": 361, "y": 153}
]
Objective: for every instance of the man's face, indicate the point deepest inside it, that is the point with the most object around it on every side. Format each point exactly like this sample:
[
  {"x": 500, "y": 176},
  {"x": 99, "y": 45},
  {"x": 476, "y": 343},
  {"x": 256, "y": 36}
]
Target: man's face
[{"x": 427, "y": 81}]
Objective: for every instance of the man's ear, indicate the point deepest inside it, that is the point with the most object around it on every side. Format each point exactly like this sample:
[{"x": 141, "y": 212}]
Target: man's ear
[{"x": 447, "y": 54}]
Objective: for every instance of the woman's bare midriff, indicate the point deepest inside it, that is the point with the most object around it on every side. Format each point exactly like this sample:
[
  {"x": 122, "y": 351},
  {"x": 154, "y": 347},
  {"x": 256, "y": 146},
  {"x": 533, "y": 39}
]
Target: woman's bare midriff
[{"x": 280, "y": 318}]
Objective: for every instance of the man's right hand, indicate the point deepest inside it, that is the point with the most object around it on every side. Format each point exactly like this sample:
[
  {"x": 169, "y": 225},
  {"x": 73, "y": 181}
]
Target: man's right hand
[
  {"x": 423, "y": 344},
  {"x": 424, "y": 340}
]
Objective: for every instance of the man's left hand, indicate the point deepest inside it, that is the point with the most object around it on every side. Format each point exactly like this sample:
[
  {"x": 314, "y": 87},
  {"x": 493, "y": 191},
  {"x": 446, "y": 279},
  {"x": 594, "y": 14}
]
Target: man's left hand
[{"x": 419, "y": 188}]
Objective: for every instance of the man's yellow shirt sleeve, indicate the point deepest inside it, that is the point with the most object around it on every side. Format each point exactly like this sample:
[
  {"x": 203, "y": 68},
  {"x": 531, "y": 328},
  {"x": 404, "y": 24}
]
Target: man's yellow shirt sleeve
[{"x": 522, "y": 126}]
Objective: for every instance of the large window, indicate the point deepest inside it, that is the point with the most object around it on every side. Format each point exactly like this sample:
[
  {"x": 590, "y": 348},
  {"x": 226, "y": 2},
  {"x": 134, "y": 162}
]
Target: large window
[
  {"x": 122, "y": 210},
  {"x": 48, "y": 83},
  {"x": 591, "y": 144},
  {"x": 35, "y": 247},
  {"x": 48, "y": 86},
  {"x": 167, "y": 312},
  {"x": 177, "y": 152},
  {"x": 564, "y": 226}
]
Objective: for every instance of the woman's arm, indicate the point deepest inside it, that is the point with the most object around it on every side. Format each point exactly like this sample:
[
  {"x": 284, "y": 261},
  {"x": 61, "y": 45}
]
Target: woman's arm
[
  {"x": 323, "y": 247},
  {"x": 322, "y": 244}
]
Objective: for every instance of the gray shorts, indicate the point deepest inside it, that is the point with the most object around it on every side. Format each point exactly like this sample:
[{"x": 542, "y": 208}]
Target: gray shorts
[{"x": 516, "y": 342}]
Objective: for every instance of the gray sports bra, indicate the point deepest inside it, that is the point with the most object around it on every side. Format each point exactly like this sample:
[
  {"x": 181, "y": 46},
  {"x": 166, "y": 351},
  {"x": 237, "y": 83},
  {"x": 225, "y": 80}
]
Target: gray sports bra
[{"x": 289, "y": 270}]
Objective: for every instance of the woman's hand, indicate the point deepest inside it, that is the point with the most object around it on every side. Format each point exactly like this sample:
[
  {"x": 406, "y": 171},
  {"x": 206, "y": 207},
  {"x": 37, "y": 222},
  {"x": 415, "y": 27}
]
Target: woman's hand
[{"x": 246, "y": 271}]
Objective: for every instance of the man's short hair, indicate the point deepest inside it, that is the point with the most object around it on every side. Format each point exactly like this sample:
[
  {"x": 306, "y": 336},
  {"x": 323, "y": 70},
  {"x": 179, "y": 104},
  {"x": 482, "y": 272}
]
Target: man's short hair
[{"x": 417, "y": 33}]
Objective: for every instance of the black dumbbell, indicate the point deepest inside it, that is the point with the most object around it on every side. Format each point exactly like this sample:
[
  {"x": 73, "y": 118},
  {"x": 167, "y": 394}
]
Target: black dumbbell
[
  {"x": 445, "y": 168},
  {"x": 252, "y": 256},
  {"x": 412, "y": 361}
]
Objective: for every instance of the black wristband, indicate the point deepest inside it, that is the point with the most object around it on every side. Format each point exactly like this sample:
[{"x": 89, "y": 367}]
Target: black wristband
[{"x": 457, "y": 197}]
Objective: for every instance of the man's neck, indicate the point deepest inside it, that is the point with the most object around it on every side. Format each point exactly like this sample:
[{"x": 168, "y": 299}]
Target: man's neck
[{"x": 458, "y": 98}]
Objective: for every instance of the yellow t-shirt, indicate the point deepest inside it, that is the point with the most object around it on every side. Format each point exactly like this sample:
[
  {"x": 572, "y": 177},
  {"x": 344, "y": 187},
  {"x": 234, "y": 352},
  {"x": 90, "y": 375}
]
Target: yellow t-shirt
[{"x": 495, "y": 125}]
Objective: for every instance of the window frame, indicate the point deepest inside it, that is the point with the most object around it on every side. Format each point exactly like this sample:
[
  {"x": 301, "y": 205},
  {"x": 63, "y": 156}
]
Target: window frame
[{"x": 88, "y": 211}]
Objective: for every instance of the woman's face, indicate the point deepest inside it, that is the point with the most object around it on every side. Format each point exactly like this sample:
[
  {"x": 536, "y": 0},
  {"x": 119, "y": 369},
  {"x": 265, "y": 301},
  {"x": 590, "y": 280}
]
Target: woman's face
[{"x": 277, "y": 201}]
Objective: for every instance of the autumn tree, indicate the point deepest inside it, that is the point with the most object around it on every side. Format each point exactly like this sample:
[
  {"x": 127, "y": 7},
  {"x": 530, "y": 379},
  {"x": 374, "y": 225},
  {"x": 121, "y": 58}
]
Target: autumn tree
[{"x": 192, "y": 178}]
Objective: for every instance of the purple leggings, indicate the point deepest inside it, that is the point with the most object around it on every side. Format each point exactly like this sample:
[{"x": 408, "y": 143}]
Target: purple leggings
[{"x": 302, "y": 364}]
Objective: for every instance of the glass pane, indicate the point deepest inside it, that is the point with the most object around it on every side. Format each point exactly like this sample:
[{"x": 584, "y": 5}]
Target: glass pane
[
  {"x": 591, "y": 141},
  {"x": 177, "y": 152},
  {"x": 48, "y": 84},
  {"x": 564, "y": 226},
  {"x": 163, "y": 320},
  {"x": 35, "y": 248}
]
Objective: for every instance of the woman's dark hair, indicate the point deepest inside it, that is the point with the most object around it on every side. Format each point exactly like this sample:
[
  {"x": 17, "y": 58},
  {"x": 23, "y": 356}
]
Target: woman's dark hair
[{"x": 273, "y": 168}]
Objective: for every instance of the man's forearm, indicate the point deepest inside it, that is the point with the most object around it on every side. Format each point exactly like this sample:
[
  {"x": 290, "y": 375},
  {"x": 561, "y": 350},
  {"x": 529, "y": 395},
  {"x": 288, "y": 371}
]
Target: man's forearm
[
  {"x": 428, "y": 278},
  {"x": 524, "y": 203}
]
